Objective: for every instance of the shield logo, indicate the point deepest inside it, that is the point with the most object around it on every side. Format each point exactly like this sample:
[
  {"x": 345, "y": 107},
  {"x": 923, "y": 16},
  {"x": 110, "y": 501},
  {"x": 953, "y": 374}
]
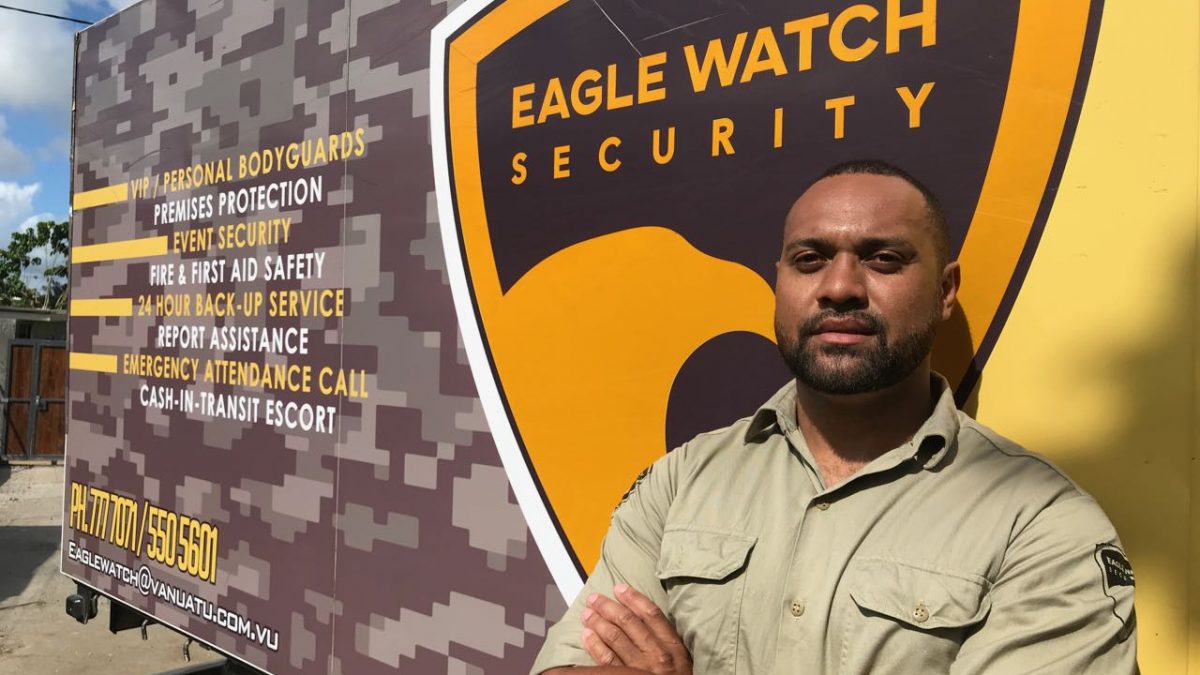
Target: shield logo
[
  {"x": 1117, "y": 582},
  {"x": 613, "y": 178}
]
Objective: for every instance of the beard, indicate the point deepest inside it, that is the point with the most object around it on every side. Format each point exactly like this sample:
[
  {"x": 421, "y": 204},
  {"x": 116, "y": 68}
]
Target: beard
[{"x": 878, "y": 363}]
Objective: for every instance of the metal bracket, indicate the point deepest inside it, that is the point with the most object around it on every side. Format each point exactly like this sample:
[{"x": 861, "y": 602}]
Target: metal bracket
[
  {"x": 84, "y": 604},
  {"x": 123, "y": 617}
]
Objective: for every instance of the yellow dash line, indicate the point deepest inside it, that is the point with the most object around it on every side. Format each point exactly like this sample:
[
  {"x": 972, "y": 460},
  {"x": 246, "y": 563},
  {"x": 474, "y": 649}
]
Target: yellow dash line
[
  {"x": 102, "y": 307},
  {"x": 100, "y": 196},
  {"x": 118, "y": 250},
  {"x": 100, "y": 363}
]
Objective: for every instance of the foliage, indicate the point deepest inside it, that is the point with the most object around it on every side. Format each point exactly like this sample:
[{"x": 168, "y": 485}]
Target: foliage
[{"x": 33, "y": 268}]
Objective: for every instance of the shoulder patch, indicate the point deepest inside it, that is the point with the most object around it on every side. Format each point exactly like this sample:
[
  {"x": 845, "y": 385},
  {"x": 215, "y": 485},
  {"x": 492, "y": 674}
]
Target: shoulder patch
[
  {"x": 1114, "y": 564},
  {"x": 1117, "y": 580},
  {"x": 636, "y": 482}
]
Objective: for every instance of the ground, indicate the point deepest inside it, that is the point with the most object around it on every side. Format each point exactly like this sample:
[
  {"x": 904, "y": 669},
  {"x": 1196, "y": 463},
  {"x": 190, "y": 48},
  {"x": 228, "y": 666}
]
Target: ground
[{"x": 36, "y": 635}]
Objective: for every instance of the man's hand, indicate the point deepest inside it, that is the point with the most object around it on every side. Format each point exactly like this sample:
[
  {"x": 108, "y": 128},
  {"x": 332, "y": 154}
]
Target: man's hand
[{"x": 633, "y": 632}]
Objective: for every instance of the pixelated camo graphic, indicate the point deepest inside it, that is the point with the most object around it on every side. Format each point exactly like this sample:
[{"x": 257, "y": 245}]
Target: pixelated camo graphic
[{"x": 394, "y": 544}]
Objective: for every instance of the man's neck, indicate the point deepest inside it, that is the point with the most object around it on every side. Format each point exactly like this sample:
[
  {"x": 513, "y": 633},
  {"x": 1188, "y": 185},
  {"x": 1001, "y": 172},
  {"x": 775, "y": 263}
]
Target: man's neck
[{"x": 845, "y": 433}]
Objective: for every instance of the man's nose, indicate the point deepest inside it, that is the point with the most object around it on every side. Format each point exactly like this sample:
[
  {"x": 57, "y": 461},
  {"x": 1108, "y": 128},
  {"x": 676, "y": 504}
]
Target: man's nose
[{"x": 843, "y": 286}]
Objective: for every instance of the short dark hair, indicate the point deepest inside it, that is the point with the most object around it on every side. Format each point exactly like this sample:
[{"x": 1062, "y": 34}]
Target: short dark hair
[{"x": 878, "y": 167}]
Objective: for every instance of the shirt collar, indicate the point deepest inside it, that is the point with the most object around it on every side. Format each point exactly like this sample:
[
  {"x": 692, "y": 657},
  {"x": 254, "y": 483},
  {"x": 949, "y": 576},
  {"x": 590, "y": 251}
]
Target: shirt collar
[
  {"x": 930, "y": 444},
  {"x": 778, "y": 410}
]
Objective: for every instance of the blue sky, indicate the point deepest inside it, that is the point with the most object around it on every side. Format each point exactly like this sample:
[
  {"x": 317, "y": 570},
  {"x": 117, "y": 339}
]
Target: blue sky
[{"x": 35, "y": 108}]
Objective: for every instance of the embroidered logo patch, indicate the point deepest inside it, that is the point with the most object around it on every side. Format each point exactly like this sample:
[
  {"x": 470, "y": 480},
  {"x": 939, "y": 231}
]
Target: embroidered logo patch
[
  {"x": 636, "y": 482},
  {"x": 1116, "y": 575},
  {"x": 1115, "y": 566}
]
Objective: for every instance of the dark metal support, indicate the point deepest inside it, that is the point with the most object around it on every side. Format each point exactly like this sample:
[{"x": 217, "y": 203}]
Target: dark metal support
[
  {"x": 226, "y": 667},
  {"x": 123, "y": 617}
]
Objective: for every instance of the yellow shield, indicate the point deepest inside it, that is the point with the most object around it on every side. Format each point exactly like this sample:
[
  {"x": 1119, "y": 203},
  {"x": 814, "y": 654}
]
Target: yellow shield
[{"x": 612, "y": 181}]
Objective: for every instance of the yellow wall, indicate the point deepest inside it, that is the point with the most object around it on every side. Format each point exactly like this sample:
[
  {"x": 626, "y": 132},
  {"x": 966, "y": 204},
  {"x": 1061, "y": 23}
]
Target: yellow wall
[{"x": 1097, "y": 367}]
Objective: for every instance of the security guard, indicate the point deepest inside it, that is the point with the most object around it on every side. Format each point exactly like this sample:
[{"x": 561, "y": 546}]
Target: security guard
[{"x": 858, "y": 522}]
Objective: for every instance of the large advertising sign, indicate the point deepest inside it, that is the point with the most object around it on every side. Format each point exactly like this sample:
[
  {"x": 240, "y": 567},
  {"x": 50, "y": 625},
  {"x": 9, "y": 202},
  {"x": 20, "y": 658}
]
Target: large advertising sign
[
  {"x": 617, "y": 181},
  {"x": 378, "y": 308},
  {"x": 275, "y": 443}
]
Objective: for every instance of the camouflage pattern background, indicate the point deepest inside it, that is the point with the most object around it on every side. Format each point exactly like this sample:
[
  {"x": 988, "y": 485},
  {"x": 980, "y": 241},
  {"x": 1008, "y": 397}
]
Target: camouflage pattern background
[{"x": 395, "y": 543}]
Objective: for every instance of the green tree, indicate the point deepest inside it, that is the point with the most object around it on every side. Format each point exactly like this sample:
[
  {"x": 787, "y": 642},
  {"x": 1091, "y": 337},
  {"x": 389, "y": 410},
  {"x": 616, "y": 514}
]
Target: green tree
[{"x": 33, "y": 268}]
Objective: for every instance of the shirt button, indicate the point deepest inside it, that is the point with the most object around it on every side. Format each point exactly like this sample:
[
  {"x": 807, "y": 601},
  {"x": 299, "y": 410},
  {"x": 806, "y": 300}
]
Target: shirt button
[
  {"x": 920, "y": 613},
  {"x": 797, "y": 608},
  {"x": 824, "y": 506}
]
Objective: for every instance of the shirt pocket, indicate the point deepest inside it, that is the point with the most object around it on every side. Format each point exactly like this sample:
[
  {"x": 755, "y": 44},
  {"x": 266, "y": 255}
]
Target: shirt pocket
[
  {"x": 905, "y": 618},
  {"x": 703, "y": 573}
]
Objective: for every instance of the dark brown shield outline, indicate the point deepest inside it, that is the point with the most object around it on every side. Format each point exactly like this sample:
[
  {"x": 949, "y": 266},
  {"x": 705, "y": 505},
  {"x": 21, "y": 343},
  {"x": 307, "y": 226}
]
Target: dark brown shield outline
[{"x": 611, "y": 211}]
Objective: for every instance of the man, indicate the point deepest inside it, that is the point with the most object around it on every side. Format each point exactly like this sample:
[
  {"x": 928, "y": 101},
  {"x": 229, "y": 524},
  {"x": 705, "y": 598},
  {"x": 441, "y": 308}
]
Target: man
[{"x": 858, "y": 522}]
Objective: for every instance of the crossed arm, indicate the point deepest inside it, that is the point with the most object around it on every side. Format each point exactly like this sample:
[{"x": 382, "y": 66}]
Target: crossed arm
[
  {"x": 629, "y": 635},
  {"x": 1051, "y": 610}
]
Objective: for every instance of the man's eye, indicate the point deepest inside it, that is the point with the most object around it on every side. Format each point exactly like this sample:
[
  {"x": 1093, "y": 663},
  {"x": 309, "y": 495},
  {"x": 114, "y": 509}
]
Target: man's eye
[
  {"x": 886, "y": 261},
  {"x": 806, "y": 262}
]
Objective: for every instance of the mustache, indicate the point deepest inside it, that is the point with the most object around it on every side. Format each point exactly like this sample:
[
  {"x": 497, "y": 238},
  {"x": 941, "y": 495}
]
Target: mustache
[{"x": 871, "y": 321}]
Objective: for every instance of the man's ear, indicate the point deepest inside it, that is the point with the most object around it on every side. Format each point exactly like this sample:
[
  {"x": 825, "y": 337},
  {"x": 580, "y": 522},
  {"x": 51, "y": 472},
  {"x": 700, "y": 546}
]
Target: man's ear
[{"x": 951, "y": 280}]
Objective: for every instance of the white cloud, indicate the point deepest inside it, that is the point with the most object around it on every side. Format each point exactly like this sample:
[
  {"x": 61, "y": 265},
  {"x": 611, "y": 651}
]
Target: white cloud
[
  {"x": 36, "y": 52},
  {"x": 16, "y": 204},
  {"x": 35, "y": 57},
  {"x": 32, "y": 221},
  {"x": 13, "y": 161}
]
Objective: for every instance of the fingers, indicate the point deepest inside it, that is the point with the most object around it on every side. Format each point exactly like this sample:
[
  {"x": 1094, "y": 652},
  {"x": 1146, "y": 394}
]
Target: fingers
[
  {"x": 632, "y": 631},
  {"x": 618, "y": 626},
  {"x": 651, "y": 614},
  {"x": 600, "y": 653}
]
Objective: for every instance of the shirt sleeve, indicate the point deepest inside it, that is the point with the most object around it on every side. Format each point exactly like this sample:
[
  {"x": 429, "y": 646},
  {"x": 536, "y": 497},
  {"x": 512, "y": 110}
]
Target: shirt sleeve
[
  {"x": 1062, "y": 602},
  {"x": 629, "y": 555}
]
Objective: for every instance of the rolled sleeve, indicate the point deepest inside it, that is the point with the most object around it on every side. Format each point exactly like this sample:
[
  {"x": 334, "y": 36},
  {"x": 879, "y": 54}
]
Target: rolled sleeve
[
  {"x": 1055, "y": 606},
  {"x": 629, "y": 555}
]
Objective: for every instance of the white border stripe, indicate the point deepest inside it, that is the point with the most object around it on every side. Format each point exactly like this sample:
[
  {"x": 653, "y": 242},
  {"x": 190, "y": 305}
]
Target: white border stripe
[{"x": 553, "y": 550}]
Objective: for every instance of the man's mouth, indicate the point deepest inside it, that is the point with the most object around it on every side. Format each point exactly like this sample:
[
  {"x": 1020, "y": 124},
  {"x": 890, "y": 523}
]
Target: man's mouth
[{"x": 843, "y": 331}]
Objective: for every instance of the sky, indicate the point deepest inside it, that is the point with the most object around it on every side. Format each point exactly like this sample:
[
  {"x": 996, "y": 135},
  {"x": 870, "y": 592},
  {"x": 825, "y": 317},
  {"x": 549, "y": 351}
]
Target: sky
[{"x": 35, "y": 108}]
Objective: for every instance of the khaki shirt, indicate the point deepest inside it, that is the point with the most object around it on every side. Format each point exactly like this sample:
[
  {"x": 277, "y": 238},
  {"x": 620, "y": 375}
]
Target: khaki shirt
[{"x": 958, "y": 552}]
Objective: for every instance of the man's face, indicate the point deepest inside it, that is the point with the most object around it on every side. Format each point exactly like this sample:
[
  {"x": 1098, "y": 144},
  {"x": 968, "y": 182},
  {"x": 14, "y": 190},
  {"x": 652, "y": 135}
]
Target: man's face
[{"x": 859, "y": 289}]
